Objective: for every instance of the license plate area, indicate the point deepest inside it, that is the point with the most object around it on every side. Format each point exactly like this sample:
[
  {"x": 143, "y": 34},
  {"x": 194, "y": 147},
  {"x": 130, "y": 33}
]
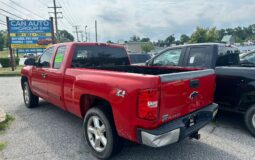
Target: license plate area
[{"x": 190, "y": 121}]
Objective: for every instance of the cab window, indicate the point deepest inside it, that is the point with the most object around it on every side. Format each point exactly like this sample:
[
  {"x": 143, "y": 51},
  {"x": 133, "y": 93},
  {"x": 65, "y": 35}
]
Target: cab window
[
  {"x": 59, "y": 57},
  {"x": 45, "y": 58},
  {"x": 168, "y": 58},
  {"x": 250, "y": 58},
  {"x": 199, "y": 57}
]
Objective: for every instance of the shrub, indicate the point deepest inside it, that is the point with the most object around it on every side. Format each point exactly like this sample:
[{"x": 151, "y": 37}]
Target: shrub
[{"x": 6, "y": 62}]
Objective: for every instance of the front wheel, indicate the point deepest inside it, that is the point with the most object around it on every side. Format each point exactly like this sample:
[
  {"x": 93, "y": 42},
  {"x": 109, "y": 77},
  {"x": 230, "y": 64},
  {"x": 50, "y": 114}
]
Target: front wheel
[
  {"x": 249, "y": 119},
  {"x": 30, "y": 99},
  {"x": 100, "y": 133}
]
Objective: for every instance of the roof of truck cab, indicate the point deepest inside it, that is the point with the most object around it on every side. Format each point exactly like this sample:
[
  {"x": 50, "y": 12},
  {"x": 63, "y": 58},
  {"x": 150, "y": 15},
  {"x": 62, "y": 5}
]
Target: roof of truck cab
[
  {"x": 200, "y": 44},
  {"x": 88, "y": 44}
]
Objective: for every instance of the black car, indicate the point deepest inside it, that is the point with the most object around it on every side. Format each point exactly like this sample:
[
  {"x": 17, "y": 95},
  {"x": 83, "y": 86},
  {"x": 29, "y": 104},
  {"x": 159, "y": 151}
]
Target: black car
[
  {"x": 139, "y": 58},
  {"x": 235, "y": 81}
]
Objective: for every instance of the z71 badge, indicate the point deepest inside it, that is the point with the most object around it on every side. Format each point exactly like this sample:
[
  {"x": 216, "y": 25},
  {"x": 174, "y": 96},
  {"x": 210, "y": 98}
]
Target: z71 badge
[{"x": 120, "y": 93}]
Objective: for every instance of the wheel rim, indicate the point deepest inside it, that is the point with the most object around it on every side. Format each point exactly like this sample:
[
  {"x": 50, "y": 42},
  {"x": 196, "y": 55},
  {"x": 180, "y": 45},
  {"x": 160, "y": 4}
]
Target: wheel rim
[
  {"x": 26, "y": 94},
  {"x": 253, "y": 120},
  {"x": 96, "y": 133}
]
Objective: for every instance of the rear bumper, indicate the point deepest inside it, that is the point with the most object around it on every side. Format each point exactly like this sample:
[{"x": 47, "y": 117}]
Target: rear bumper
[{"x": 177, "y": 130}]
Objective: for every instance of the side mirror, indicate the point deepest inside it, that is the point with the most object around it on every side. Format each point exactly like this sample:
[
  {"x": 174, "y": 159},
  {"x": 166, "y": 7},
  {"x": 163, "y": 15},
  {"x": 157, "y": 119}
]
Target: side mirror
[{"x": 29, "y": 62}]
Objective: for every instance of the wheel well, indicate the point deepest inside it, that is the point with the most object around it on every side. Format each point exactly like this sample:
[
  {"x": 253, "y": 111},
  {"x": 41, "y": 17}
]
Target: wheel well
[
  {"x": 88, "y": 101},
  {"x": 23, "y": 79}
]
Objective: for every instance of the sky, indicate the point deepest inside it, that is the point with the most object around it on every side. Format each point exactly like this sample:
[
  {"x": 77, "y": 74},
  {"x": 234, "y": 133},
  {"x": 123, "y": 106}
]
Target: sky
[{"x": 121, "y": 19}]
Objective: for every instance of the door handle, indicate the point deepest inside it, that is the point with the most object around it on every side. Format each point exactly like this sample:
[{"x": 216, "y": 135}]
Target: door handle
[{"x": 44, "y": 75}]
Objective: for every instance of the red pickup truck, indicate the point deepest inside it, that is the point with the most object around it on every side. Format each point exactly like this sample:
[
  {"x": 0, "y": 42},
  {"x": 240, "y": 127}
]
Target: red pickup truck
[{"x": 148, "y": 105}]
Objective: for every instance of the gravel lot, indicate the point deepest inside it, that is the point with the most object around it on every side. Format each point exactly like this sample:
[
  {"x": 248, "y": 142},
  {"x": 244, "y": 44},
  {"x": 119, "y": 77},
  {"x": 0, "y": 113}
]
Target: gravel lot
[{"x": 47, "y": 132}]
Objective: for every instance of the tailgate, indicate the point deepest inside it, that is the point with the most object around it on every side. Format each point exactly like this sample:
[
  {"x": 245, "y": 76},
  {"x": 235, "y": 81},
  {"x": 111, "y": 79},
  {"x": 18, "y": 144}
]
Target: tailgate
[{"x": 185, "y": 92}]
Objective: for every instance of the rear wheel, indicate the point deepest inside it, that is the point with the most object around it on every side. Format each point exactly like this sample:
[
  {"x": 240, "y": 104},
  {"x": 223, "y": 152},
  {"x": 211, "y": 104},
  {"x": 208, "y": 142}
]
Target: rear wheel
[
  {"x": 100, "y": 133},
  {"x": 249, "y": 119},
  {"x": 30, "y": 99}
]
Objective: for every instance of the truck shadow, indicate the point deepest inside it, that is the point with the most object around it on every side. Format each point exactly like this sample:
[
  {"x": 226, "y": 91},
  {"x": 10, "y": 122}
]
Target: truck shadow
[{"x": 61, "y": 136}]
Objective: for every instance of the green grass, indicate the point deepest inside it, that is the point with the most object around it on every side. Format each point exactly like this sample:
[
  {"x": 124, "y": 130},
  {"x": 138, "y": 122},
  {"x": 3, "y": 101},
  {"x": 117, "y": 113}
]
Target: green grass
[
  {"x": 8, "y": 71},
  {"x": 6, "y": 123},
  {"x": 4, "y": 54},
  {"x": 2, "y": 145}
]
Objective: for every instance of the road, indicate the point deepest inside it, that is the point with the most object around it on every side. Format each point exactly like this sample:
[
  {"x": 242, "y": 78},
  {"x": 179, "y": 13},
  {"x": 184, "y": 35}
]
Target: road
[{"x": 47, "y": 132}]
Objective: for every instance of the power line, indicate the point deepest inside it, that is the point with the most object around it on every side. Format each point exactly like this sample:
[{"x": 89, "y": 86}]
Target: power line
[
  {"x": 55, "y": 16},
  {"x": 11, "y": 14},
  {"x": 76, "y": 30},
  {"x": 13, "y": 8},
  {"x": 3, "y": 24},
  {"x": 17, "y": 4},
  {"x": 66, "y": 6},
  {"x": 2, "y": 21}
]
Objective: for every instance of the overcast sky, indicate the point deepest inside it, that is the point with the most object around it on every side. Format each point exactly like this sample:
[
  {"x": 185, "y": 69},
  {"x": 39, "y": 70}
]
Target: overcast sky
[{"x": 156, "y": 19}]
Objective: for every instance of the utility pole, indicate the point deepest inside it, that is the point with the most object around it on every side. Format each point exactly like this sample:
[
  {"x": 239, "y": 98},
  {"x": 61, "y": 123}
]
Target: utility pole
[
  {"x": 76, "y": 31},
  {"x": 55, "y": 16},
  {"x": 81, "y": 32},
  {"x": 96, "y": 29},
  {"x": 86, "y": 37}
]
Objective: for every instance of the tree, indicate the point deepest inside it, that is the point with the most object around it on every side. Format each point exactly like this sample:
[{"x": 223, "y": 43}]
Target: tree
[
  {"x": 147, "y": 47},
  {"x": 199, "y": 36},
  {"x": 134, "y": 38},
  {"x": 169, "y": 40},
  {"x": 202, "y": 35},
  {"x": 145, "y": 40},
  {"x": 184, "y": 38},
  {"x": 1, "y": 41},
  {"x": 66, "y": 36},
  {"x": 109, "y": 41},
  {"x": 212, "y": 35}
]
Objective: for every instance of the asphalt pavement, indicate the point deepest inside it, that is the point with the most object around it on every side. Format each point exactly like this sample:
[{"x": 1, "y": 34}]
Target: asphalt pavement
[{"x": 49, "y": 133}]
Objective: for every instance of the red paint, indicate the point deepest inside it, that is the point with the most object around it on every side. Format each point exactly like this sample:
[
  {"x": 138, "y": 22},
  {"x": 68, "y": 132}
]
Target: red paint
[{"x": 64, "y": 87}]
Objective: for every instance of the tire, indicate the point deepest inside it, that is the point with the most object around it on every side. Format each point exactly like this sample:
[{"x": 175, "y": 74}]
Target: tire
[
  {"x": 30, "y": 99},
  {"x": 249, "y": 120},
  {"x": 100, "y": 133}
]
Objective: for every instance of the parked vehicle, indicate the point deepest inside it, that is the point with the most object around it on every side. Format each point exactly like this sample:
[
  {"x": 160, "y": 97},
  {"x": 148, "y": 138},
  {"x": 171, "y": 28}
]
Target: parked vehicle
[
  {"x": 139, "y": 58},
  {"x": 248, "y": 58},
  {"x": 235, "y": 89},
  {"x": 148, "y": 105}
]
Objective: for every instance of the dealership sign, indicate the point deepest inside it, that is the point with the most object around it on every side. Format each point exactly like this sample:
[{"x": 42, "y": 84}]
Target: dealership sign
[{"x": 30, "y": 36}]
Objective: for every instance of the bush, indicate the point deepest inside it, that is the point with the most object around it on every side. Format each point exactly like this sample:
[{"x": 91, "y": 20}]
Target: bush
[{"x": 6, "y": 62}]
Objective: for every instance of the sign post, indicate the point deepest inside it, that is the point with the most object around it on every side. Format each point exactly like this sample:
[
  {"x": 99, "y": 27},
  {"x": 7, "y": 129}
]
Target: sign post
[{"x": 10, "y": 48}]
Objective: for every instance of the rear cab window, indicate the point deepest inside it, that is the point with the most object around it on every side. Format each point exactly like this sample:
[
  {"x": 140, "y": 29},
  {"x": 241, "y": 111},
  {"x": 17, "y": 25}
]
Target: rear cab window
[
  {"x": 96, "y": 56},
  {"x": 228, "y": 56}
]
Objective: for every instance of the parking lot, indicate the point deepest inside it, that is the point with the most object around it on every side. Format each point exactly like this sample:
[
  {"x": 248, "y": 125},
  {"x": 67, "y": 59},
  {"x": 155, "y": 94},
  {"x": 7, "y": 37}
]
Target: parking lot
[{"x": 47, "y": 132}]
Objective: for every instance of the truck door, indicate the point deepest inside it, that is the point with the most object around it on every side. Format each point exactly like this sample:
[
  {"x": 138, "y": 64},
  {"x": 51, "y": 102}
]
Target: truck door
[
  {"x": 55, "y": 76},
  {"x": 38, "y": 78},
  {"x": 199, "y": 57}
]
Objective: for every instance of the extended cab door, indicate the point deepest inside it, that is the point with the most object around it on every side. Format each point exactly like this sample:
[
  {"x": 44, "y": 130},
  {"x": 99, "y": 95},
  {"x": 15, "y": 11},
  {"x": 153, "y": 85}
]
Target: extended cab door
[
  {"x": 199, "y": 57},
  {"x": 38, "y": 82},
  {"x": 55, "y": 76}
]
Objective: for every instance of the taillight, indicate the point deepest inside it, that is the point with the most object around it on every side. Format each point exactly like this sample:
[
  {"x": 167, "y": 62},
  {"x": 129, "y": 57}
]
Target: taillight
[{"x": 148, "y": 104}]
